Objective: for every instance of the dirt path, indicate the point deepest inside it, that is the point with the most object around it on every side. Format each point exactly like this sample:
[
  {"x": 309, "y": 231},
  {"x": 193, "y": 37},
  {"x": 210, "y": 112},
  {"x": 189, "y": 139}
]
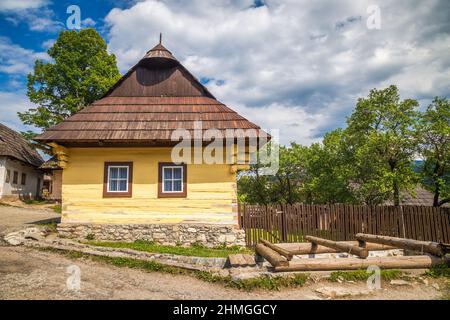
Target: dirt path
[
  {"x": 29, "y": 274},
  {"x": 16, "y": 218}
]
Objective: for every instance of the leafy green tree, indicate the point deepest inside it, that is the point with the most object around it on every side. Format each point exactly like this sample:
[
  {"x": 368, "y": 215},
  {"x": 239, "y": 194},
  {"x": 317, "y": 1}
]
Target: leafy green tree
[
  {"x": 291, "y": 174},
  {"x": 283, "y": 187},
  {"x": 80, "y": 72},
  {"x": 433, "y": 132},
  {"x": 328, "y": 171},
  {"x": 380, "y": 137}
]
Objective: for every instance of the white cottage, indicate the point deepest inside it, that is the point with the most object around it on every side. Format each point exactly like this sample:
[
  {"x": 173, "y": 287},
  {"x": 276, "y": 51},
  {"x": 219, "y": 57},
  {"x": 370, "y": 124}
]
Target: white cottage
[{"x": 20, "y": 177}]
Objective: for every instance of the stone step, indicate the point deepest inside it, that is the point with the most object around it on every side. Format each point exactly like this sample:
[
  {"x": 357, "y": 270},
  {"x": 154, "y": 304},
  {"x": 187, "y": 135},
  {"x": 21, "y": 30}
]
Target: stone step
[{"x": 241, "y": 260}]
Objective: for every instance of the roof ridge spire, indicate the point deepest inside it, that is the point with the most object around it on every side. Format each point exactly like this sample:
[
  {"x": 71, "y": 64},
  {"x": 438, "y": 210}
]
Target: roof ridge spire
[{"x": 160, "y": 38}]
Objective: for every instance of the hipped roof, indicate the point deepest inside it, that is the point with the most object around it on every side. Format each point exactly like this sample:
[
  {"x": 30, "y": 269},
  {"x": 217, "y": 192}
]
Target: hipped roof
[
  {"x": 13, "y": 145},
  {"x": 155, "y": 97}
]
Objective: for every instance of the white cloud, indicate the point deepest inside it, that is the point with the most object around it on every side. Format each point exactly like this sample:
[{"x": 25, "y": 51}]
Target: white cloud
[
  {"x": 16, "y": 60},
  {"x": 10, "y": 104},
  {"x": 88, "y": 22},
  {"x": 36, "y": 14},
  {"x": 17, "y": 5},
  {"x": 47, "y": 44},
  {"x": 298, "y": 65}
]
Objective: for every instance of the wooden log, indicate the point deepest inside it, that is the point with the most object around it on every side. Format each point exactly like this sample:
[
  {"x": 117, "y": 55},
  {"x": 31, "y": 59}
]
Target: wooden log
[
  {"x": 270, "y": 255},
  {"x": 400, "y": 262},
  {"x": 280, "y": 250},
  {"x": 410, "y": 244},
  {"x": 344, "y": 247},
  {"x": 309, "y": 248}
]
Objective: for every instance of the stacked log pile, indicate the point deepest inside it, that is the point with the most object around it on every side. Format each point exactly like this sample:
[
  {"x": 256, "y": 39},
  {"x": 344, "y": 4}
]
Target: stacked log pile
[{"x": 280, "y": 255}]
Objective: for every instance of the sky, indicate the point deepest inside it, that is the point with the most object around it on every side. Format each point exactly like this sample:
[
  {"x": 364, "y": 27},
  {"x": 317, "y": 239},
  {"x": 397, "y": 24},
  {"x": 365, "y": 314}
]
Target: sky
[{"x": 298, "y": 66}]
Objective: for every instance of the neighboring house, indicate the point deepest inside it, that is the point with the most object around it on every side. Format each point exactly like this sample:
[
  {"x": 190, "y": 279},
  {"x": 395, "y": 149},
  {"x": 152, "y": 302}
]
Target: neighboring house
[
  {"x": 419, "y": 197},
  {"x": 52, "y": 186},
  {"x": 20, "y": 177},
  {"x": 117, "y": 165}
]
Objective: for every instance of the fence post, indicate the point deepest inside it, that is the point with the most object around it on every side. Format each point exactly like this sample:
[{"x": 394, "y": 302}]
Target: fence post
[
  {"x": 283, "y": 223},
  {"x": 403, "y": 222}
]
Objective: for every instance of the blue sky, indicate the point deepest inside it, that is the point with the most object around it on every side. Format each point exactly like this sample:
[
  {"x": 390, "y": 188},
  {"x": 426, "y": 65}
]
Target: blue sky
[{"x": 293, "y": 65}]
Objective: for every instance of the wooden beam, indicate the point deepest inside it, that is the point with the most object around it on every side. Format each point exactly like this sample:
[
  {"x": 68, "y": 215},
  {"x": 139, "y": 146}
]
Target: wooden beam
[
  {"x": 344, "y": 247},
  {"x": 288, "y": 255},
  {"x": 409, "y": 244},
  {"x": 270, "y": 255},
  {"x": 309, "y": 248},
  {"x": 400, "y": 262}
]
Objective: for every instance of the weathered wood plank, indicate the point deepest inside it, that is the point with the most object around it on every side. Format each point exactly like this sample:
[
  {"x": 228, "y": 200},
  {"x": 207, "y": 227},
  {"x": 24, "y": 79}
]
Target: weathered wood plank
[{"x": 401, "y": 262}]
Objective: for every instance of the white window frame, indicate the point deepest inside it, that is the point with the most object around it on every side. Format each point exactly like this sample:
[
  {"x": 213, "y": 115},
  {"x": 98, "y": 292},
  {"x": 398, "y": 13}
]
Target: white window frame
[
  {"x": 181, "y": 179},
  {"x": 119, "y": 179}
]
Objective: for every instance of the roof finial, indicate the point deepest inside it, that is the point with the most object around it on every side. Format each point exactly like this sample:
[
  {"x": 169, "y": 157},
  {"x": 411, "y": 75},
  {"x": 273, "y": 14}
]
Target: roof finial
[{"x": 160, "y": 38}]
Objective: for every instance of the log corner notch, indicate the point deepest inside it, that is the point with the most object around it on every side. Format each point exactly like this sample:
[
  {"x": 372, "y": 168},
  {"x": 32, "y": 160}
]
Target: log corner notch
[
  {"x": 344, "y": 247},
  {"x": 285, "y": 253},
  {"x": 434, "y": 248},
  {"x": 274, "y": 258},
  {"x": 62, "y": 154}
]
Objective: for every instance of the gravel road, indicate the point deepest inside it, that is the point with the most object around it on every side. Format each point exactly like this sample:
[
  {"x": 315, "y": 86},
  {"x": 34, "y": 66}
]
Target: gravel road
[{"x": 27, "y": 273}]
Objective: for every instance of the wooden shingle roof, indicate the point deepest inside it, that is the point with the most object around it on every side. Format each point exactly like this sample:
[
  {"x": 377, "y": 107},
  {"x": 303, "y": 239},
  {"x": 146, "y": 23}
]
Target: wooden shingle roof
[
  {"x": 155, "y": 97},
  {"x": 13, "y": 145}
]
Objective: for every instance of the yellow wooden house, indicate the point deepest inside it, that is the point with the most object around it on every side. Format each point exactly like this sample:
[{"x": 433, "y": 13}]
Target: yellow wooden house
[{"x": 119, "y": 180}]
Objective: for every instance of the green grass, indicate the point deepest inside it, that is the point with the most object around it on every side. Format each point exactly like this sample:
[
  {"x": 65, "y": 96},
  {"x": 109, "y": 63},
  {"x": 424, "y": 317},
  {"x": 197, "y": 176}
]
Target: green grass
[
  {"x": 50, "y": 225},
  {"x": 57, "y": 208},
  {"x": 196, "y": 250},
  {"x": 36, "y": 202},
  {"x": 363, "y": 275},
  {"x": 446, "y": 294},
  {"x": 438, "y": 271},
  {"x": 262, "y": 282}
]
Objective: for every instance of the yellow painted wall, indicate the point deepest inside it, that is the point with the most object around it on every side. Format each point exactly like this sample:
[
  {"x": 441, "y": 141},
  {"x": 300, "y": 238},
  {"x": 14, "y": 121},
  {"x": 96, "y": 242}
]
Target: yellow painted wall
[{"x": 211, "y": 190}]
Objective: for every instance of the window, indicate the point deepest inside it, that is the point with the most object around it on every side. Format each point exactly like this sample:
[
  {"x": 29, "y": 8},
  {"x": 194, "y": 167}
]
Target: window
[
  {"x": 15, "y": 177},
  {"x": 23, "y": 180},
  {"x": 118, "y": 179},
  {"x": 172, "y": 180},
  {"x": 8, "y": 176}
]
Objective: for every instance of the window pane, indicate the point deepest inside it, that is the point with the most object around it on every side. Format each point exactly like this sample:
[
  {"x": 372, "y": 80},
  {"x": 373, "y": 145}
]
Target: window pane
[
  {"x": 123, "y": 185},
  {"x": 113, "y": 185},
  {"x": 167, "y": 173},
  {"x": 177, "y": 173},
  {"x": 167, "y": 185},
  {"x": 113, "y": 173},
  {"x": 177, "y": 185},
  {"x": 123, "y": 173}
]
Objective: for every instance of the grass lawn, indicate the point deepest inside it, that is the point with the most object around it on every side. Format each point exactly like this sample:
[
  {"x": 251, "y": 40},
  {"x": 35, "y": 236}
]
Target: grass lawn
[
  {"x": 363, "y": 275},
  {"x": 196, "y": 250}
]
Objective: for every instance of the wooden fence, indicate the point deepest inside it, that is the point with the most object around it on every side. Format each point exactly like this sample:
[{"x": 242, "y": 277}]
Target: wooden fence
[{"x": 290, "y": 223}]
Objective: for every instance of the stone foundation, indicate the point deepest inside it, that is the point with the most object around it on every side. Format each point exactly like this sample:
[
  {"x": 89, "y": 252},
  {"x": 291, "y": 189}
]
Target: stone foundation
[{"x": 165, "y": 234}]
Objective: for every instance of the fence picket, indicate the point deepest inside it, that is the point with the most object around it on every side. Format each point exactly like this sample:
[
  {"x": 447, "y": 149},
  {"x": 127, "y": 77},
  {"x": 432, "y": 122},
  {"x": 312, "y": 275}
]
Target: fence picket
[{"x": 341, "y": 222}]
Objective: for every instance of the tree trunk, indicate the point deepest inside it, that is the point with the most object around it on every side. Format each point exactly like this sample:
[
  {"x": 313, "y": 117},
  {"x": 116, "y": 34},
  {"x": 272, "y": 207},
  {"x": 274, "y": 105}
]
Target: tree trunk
[
  {"x": 343, "y": 247},
  {"x": 409, "y": 244},
  {"x": 396, "y": 193},
  {"x": 436, "y": 196},
  {"x": 401, "y": 262},
  {"x": 309, "y": 248},
  {"x": 436, "y": 189},
  {"x": 270, "y": 255}
]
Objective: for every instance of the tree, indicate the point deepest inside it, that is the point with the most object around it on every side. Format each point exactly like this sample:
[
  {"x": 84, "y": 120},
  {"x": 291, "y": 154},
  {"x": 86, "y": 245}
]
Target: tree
[
  {"x": 80, "y": 72},
  {"x": 328, "y": 171},
  {"x": 433, "y": 133},
  {"x": 291, "y": 173},
  {"x": 283, "y": 187},
  {"x": 380, "y": 136}
]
